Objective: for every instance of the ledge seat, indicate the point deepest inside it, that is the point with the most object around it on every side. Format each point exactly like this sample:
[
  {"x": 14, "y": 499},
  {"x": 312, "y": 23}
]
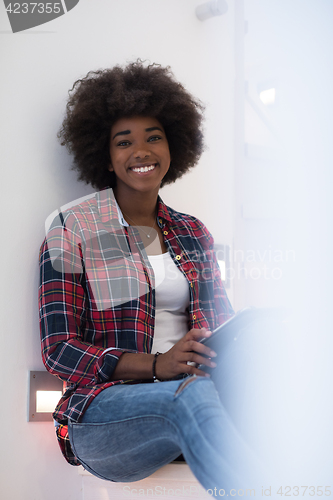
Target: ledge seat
[{"x": 172, "y": 480}]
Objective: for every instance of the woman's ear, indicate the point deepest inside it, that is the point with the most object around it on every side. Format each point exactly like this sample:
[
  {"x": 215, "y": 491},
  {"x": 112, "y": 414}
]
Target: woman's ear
[{"x": 110, "y": 167}]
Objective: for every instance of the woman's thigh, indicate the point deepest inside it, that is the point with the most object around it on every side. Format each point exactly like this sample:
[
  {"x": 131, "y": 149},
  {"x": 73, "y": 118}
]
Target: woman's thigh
[{"x": 129, "y": 431}]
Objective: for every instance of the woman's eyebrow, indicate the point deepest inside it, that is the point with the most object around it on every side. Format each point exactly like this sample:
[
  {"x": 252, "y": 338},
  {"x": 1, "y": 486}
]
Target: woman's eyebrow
[
  {"x": 150, "y": 129},
  {"x": 126, "y": 132}
]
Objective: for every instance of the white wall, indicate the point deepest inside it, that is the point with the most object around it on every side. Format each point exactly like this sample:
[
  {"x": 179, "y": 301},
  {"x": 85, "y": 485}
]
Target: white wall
[
  {"x": 37, "y": 68},
  {"x": 291, "y": 41}
]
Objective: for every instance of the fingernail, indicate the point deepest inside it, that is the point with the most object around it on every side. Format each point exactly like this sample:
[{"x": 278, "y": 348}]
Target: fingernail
[
  {"x": 212, "y": 364},
  {"x": 213, "y": 354}
]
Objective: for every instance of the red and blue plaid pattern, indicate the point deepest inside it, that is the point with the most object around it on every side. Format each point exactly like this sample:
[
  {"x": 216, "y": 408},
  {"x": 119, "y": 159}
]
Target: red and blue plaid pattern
[{"x": 97, "y": 293}]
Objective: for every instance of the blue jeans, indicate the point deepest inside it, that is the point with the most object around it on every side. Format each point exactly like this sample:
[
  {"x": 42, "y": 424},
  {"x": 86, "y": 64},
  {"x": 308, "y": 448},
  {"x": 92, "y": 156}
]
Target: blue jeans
[{"x": 130, "y": 431}]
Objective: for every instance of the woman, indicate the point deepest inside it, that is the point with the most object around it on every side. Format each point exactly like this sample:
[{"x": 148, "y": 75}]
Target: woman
[{"x": 125, "y": 278}]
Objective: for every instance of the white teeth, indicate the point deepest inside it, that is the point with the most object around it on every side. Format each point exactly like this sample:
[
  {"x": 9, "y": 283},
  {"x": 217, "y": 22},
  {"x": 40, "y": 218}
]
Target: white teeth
[{"x": 144, "y": 169}]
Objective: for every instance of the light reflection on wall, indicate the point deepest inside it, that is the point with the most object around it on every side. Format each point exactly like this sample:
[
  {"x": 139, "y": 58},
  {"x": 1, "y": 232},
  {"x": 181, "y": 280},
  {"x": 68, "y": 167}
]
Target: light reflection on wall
[{"x": 288, "y": 42}]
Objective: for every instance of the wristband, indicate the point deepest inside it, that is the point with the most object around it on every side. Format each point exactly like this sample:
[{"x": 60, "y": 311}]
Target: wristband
[{"x": 155, "y": 379}]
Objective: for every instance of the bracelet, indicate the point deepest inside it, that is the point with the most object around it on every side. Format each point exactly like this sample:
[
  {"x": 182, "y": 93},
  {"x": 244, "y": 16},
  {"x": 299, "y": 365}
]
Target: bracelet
[{"x": 155, "y": 379}]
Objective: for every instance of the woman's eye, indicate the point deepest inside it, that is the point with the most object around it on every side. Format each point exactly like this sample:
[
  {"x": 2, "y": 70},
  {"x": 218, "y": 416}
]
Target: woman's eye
[
  {"x": 123, "y": 143},
  {"x": 154, "y": 138}
]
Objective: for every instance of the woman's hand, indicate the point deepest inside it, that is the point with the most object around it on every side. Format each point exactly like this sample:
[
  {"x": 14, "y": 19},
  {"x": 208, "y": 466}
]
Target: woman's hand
[
  {"x": 170, "y": 364},
  {"x": 174, "y": 361}
]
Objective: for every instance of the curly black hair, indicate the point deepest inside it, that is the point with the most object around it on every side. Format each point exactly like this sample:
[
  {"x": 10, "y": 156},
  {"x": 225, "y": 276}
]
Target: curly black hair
[{"x": 97, "y": 101}]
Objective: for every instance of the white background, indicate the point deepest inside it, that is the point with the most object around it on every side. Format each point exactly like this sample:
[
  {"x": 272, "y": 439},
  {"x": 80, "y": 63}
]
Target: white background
[{"x": 37, "y": 69}]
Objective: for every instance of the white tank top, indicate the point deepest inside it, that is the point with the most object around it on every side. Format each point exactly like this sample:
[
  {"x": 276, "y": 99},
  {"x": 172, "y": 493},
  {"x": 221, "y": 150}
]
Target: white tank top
[{"x": 172, "y": 300}]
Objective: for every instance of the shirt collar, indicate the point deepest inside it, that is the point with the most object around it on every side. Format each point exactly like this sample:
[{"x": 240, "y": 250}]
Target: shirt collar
[
  {"x": 120, "y": 216},
  {"x": 162, "y": 212},
  {"x": 109, "y": 208}
]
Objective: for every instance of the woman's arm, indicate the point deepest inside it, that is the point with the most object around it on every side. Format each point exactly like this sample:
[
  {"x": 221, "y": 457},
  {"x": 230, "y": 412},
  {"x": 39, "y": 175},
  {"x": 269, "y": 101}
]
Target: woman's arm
[
  {"x": 169, "y": 364},
  {"x": 61, "y": 300},
  {"x": 222, "y": 308},
  {"x": 62, "y": 314},
  {"x": 62, "y": 311}
]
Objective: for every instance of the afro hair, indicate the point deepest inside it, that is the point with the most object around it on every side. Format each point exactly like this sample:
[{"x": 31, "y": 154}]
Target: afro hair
[{"x": 97, "y": 101}]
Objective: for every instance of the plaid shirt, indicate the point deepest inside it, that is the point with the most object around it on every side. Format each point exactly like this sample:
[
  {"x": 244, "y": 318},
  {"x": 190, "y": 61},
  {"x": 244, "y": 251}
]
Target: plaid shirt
[{"x": 97, "y": 300}]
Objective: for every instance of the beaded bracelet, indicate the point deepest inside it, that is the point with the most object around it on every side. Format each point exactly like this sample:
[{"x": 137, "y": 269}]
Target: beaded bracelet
[{"x": 155, "y": 379}]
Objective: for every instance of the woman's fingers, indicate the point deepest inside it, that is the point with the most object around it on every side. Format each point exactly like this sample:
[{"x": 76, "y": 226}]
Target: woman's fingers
[
  {"x": 194, "y": 370},
  {"x": 193, "y": 346},
  {"x": 188, "y": 349},
  {"x": 193, "y": 357},
  {"x": 191, "y": 342},
  {"x": 197, "y": 334}
]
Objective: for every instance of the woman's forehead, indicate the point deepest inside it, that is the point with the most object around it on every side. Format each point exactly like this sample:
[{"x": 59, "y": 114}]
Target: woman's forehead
[{"x": 136, "y": 123}]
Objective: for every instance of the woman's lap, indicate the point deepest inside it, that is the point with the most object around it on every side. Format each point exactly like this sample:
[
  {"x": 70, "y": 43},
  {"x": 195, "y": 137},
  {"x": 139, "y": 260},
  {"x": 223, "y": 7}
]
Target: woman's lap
[
  {"x": 129, "y": 431},
  {"x": 125, "y": 433}
]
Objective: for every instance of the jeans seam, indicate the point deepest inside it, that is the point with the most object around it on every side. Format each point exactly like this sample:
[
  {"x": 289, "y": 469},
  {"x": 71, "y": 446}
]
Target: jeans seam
[
  {"x": 183, "y": 385},
  {"x": 81, "y": 424},
  {"x": 186, "y": 383}
]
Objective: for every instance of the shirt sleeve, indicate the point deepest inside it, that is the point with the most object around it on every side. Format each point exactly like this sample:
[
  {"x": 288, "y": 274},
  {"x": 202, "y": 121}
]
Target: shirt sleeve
[
  {"x": 223, "y": 307},
  {"x": 62, "y": 301}
]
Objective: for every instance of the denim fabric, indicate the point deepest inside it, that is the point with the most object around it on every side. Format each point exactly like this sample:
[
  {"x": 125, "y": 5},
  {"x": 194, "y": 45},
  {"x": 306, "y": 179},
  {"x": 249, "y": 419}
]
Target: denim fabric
[{"x": 130, "y": 431}]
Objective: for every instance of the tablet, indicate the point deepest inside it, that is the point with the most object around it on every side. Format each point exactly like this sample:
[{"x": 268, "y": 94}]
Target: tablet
[{"x": 238, "y": 325}]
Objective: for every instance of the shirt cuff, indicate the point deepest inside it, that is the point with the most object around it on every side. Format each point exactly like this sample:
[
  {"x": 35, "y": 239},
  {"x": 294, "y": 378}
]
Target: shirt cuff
[{"x": 108, "y": 362}]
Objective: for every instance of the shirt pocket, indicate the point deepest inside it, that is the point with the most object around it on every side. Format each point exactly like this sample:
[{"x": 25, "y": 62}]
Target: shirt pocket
[{"x": 114, "y": 275}]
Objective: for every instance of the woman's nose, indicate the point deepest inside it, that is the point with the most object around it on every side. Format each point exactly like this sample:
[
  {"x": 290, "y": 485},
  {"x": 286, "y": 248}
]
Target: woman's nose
[{"x": 142, "y": 151}]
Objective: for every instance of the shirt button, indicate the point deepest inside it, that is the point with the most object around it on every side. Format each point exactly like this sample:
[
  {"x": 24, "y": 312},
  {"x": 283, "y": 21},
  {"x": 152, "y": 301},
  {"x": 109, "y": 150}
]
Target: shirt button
[
  {"x": 178, "y": 257},
  {"x": 160, "y": 221},
  {"x": 194, "y": 316},
  {"x": 191, "y": 284},
  {"x": 165, "y": 232}
]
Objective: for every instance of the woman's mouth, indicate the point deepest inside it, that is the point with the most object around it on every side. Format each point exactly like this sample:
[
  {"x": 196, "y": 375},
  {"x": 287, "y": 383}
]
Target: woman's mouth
[{"x": 143, "y": 169}]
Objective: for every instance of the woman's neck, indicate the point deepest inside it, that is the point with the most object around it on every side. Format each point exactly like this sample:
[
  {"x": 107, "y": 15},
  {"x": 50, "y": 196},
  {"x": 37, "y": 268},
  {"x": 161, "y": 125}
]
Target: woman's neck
[{"x": 139, "y": 207}]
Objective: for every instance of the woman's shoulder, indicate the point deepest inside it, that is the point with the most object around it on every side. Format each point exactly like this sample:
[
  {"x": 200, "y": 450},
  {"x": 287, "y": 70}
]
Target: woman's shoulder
[
  {"x": 189, "y": 224},
  {"x": 73, "y": 215}
]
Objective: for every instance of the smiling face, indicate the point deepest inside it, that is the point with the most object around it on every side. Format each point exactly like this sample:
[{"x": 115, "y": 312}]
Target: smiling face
[{"x": 139, "y": 153}]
